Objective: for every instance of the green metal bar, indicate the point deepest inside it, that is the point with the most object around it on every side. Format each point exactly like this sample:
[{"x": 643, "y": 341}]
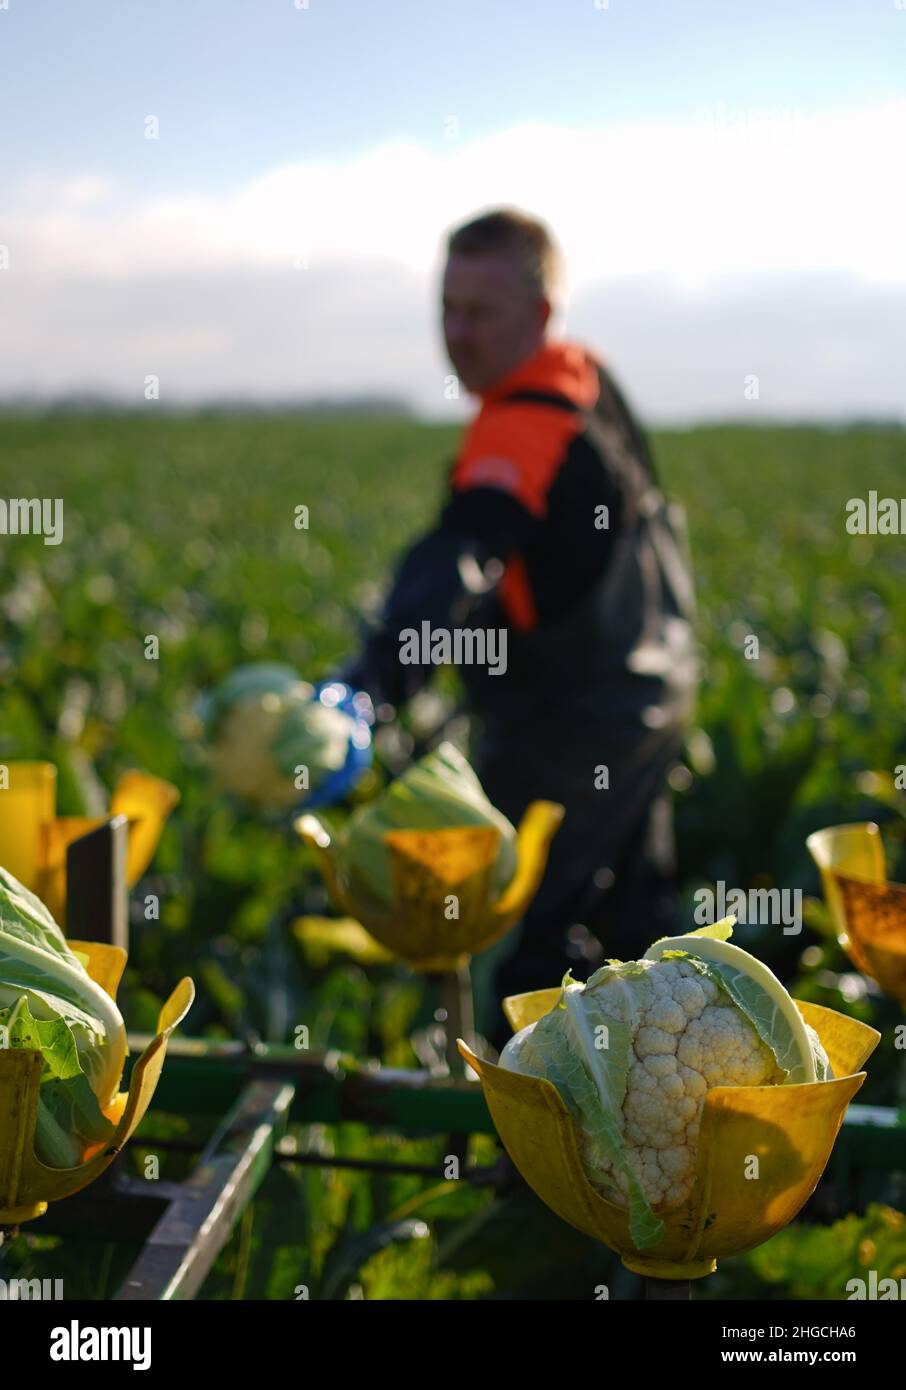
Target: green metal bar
[
  {"x": 329, "y": 1088},
  {"x": 205, "y": 1078},
  {"x": 378, "y": 1166}
]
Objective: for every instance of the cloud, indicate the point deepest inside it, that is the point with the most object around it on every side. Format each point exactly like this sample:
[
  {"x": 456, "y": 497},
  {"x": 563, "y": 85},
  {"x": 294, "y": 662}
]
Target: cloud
[
  {"x": 765, "y": 242},
  {"x": 822, "y": 344}
]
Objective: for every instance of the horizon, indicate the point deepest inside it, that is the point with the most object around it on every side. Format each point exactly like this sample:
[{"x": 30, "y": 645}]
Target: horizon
[{"x": 364, "y": 407}]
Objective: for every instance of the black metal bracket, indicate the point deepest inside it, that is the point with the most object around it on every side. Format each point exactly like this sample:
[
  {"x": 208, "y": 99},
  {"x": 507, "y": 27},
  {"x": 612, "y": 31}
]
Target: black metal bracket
[{"x": 97, "y": 892}]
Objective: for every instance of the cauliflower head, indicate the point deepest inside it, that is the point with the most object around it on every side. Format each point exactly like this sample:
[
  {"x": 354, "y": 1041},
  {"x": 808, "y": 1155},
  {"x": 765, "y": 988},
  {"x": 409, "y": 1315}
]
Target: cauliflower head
[
  {"x": 687, "y": 1038},
  {"x": 635, "y": 1051},
  {"x": 262, "y": 726},
  {"x": 263, "y": 738}
]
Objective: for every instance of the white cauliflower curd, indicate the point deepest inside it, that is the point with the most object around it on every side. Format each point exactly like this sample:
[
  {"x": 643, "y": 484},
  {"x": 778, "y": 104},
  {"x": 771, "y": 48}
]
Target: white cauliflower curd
[{"x": 635, "y": 1051}]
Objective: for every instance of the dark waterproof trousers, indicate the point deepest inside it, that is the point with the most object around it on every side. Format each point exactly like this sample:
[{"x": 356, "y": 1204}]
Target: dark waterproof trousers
[{"x": 610, "y": 885}]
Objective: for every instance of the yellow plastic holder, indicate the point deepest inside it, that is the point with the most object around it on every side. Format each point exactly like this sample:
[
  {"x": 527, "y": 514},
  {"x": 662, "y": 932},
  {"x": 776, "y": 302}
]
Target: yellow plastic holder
[
  {"x": 868, "y": 911},
  {"x": 51, "y": 884},
  {"x": 146, "y": 802},
  {"x": 428, "y": 868},
  {"x": 790, "y": 1130},
  {"x": 324, "y": 937},
  {"x": 27, "y": 809},
  {"x": 34, "y": 840},
  {"x": 26, "y": 1184}
]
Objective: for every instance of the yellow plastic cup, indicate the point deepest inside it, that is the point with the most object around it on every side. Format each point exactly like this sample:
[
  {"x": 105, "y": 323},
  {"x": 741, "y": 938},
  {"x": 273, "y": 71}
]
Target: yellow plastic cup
[{"x": 28, "y": 806}]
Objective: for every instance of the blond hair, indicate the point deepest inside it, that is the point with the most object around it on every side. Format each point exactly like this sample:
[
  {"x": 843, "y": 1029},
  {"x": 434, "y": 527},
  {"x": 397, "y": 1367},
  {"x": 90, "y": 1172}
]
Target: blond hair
[{"x": 513, "y": 234}]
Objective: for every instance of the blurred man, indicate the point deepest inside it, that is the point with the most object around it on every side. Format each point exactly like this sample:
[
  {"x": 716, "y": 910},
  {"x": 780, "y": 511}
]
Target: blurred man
[{"x": 556, "y": 539}]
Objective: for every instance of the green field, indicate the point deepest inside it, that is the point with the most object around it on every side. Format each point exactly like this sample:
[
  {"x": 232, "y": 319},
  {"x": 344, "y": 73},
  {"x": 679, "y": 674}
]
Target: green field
[{"x": 184, "y": 528}]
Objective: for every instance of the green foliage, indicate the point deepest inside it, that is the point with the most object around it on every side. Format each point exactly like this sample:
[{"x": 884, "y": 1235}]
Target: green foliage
[
  {"x": 818, "y": 1261},
  {"x": 184, "y": 528}
]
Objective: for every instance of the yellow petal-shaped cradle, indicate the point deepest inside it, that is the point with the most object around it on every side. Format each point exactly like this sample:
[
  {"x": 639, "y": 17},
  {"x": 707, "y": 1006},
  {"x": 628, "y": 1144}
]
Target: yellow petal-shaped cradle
[
  {"x": 868, "y": 912},
  {"x": 26, "y": 1184},
  {"x": 876, "y": 931},
  {"x": 146, "y": 802},
  {"x": 324, "y": 937},
  {"x": 28, "y": 802},
  {"x": 430, "y": 868},
  {"x": 59, "y": 835},
  {"x": 760, "y": 1154},
  {"x": 34, "y": 841}
]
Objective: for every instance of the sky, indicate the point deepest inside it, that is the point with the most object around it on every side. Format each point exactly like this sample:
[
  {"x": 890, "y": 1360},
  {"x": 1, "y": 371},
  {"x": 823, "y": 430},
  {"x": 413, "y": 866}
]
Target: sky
[{"x": 724, "y": 178}]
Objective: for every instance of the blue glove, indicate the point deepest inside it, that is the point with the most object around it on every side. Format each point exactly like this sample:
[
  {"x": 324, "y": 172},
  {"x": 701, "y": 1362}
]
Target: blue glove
[{"x": 357, "y": 704}]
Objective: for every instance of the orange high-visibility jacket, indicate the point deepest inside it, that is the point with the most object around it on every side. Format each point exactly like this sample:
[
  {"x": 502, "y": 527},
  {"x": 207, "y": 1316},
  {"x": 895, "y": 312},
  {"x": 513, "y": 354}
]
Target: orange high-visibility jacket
[{"x": 553, "y": 491}]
